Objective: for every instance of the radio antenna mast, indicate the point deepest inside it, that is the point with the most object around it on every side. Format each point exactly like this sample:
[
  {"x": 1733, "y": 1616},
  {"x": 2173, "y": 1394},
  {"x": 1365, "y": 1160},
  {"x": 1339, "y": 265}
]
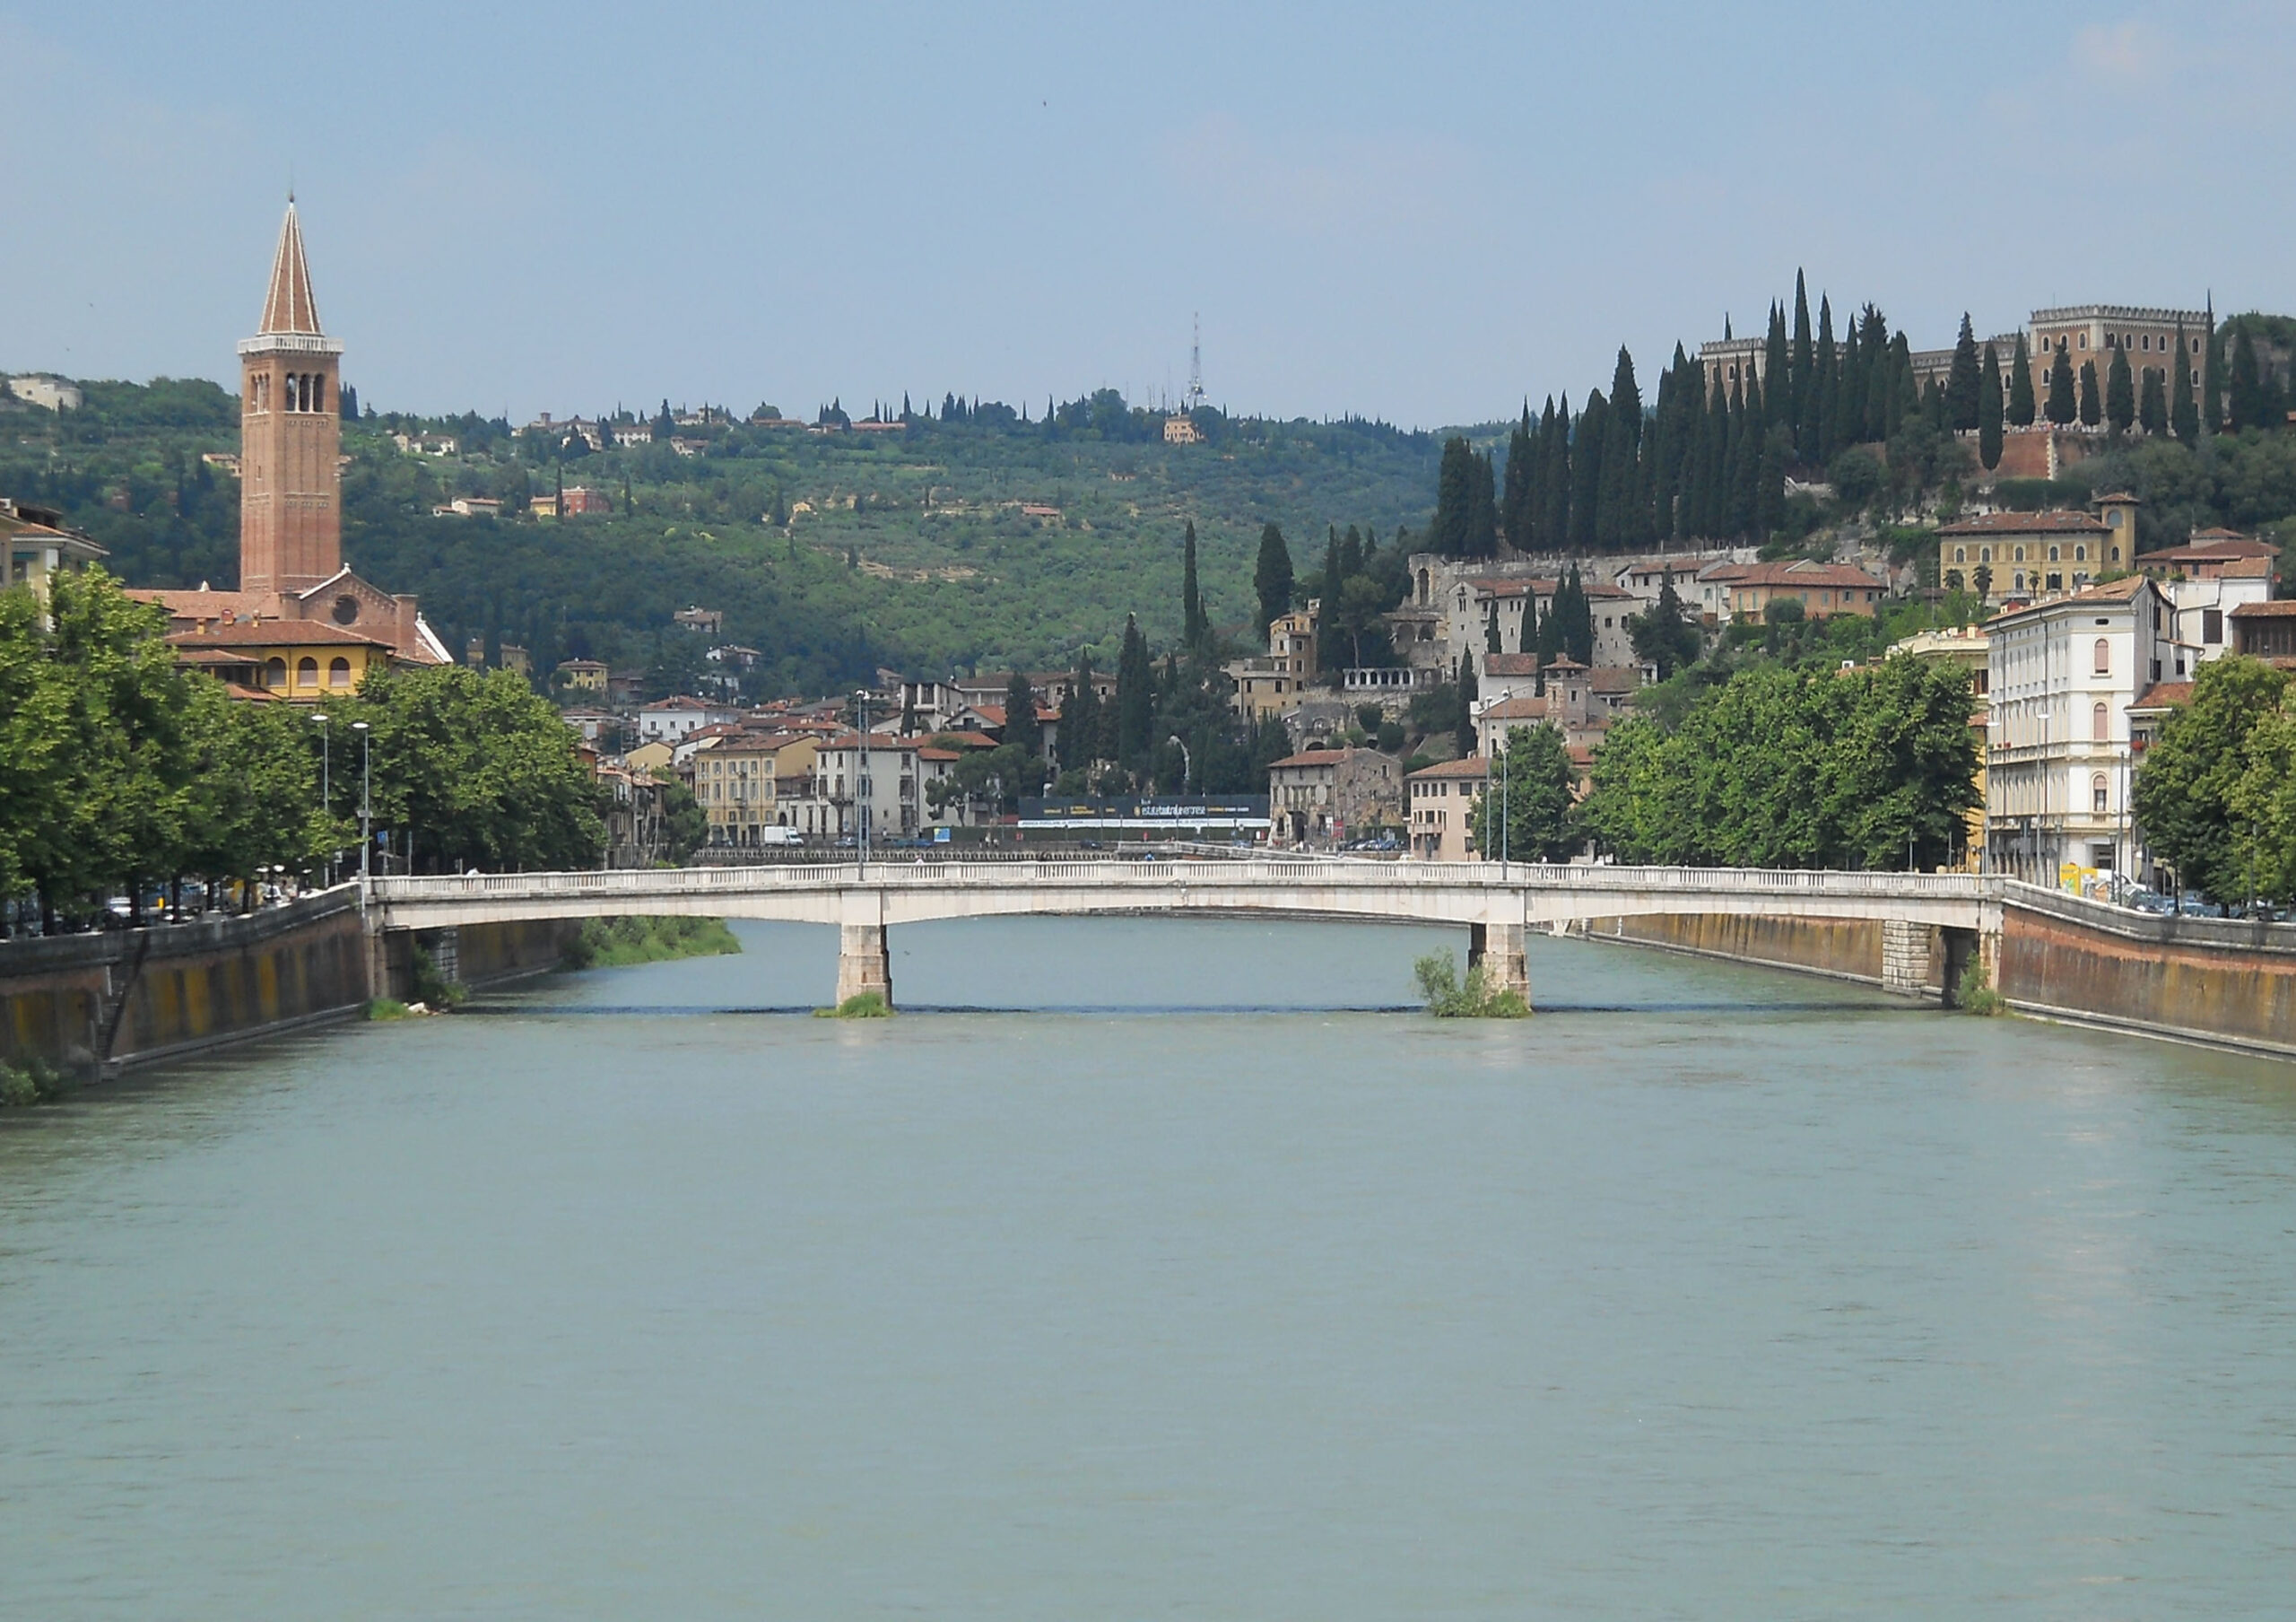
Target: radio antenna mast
[{"x": 1195, "y": 363}]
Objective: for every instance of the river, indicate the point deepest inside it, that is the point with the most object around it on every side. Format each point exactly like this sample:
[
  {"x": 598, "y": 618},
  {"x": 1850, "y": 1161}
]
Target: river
[{"x": 1202, "y": 1288}]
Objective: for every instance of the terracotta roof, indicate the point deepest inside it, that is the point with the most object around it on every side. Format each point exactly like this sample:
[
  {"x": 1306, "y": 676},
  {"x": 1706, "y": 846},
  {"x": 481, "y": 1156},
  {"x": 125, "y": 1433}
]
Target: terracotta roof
[
  {"x": 1807, "y": 573},
  {"x": 1510, "y": 664},
  {"x": 2026, "y": 523},
  {"x": 2115, "y": 591},
  {"x": 1615, "y": 678},
  {"x": 200, "y": 604},
  {"x": 2198, "y": 550},
  {"x": 2164, "y": 695},
  {"x": 288, "y": 307},
  {"x": 275, "y": 633},
  {"x": 1310, "y": 757},
  {"x": 927, "y": 751},
  {"x": 1524, "y": 709},
  {"x": 2279, "y": 608},
  {"x": 1473, "y": 765},
  {"x": 1562, "y": 663},
  {"x": 2246, "y": 569},
  {"x": 2218, "y": 533}
]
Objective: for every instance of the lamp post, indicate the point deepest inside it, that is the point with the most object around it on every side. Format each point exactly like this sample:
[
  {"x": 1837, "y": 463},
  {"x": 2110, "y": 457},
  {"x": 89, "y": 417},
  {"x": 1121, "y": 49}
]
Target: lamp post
[
  {"x": 366, "y": 801},
  {"x": 861, "y": 780},
  {"x": 326, "y": 802},
  {"x": 1187, "y": 761}
]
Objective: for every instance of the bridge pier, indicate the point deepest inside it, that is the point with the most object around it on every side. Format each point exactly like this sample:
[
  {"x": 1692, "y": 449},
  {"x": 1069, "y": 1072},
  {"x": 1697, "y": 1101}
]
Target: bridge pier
[
  {"x": 863, "y": 963},
  {"x": 1497, "y": 950}
]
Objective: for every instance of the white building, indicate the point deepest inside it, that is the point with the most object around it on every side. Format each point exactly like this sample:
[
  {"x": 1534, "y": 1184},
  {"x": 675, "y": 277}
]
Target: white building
[
  {"x": 49, "y": 393},
  {"x": 670, "y": 720},
  {"x": 2063, "y": 675}
]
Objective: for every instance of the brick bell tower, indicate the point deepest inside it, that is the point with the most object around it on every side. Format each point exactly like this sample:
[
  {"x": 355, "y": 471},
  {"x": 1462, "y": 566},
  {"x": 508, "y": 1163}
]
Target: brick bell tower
[{"x": 291, "y": 489}]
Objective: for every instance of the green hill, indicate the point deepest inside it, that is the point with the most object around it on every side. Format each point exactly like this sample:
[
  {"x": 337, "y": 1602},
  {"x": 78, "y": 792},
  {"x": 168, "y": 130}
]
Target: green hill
[{"x": 978, "y": 541}]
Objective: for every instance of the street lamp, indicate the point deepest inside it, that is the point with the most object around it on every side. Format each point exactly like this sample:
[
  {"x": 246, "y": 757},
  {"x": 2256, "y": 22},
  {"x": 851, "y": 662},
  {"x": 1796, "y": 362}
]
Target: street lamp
[
  {"x": 326, "y": 803},
  {"x": 861, "y": 780},
  {"x": 366, "y": 800},
  {"x": 1187, "y": 761}
]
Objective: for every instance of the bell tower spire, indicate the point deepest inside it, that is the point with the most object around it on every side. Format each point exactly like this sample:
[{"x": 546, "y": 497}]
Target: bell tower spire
[{"x": 291, "y": 518}]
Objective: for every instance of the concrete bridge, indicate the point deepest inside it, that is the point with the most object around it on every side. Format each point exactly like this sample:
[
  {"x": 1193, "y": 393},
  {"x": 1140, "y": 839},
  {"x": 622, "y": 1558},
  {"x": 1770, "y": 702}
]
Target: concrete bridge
[{"x": 1497, "y": 903}]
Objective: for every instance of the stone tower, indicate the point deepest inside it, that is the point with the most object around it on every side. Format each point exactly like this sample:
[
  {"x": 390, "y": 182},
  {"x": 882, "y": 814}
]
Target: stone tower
[{"x": 291, "y": 489}]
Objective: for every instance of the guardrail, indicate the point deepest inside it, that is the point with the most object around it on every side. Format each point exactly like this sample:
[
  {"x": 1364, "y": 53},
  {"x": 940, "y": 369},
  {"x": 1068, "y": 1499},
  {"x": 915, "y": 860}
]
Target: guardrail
[{"x": 1134, "y": 872}]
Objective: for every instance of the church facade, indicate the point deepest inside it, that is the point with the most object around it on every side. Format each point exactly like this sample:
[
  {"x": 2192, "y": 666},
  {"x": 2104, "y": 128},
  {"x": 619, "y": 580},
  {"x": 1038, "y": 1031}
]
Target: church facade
[{"x": 294, "y": 590}]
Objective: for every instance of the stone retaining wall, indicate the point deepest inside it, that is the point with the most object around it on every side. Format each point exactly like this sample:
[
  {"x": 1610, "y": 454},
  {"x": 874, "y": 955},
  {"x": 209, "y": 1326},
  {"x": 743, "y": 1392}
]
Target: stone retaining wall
[
  {"x": 1845, "y": 948},
  {"x": 90, "y": 1001}
]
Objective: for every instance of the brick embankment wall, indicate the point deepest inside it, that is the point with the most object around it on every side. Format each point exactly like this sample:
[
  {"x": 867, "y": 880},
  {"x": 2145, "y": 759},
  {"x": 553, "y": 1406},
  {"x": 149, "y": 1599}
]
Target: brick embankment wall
[
  {"x": 88, "y": 1001},
  {"x": 1846, "y": 948},
  {"x": 2205, "y": 980}
]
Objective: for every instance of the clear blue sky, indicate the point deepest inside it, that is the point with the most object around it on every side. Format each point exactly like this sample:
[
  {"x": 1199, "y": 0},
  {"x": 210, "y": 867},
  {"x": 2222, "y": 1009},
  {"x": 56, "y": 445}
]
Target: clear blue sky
[{"x": 1418, "y": 213}]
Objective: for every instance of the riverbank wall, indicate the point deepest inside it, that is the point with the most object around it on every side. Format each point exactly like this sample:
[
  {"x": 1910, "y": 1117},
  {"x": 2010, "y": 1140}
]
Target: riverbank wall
[
  {"x": 92, "y": 1002},
  {"x": 89, "y": 1003},
  {"x": 2216, "y": 982}
]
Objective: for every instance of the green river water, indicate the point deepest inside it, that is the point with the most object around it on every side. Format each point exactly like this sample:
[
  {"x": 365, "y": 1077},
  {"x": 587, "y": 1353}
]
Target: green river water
[{"x": 1202, "y": 1288}]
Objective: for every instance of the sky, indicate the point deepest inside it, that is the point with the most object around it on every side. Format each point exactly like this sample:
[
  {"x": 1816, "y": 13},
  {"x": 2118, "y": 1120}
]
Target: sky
[{"x": 1420, "y": 214}]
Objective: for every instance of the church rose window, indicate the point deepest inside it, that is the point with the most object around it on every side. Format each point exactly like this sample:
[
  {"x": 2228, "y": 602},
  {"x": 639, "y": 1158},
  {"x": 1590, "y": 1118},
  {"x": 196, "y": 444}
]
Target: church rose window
[{"x": 346, "y": 610}]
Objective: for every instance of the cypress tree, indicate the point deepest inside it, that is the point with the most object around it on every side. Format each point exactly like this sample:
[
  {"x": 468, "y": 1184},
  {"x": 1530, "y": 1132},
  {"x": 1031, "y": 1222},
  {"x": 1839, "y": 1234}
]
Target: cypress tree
[
  {"x": 1554, "y": 525},
  {"x": 1483, "y": 510},
  {"x": 1776, "y": 369},
  {"x": 1879, "y": 379},
  {"x": 1961, "y": 382},
  {"x": 1136, "y": 697},
  {"x": 1848, "y": 396},
  {"x": 2092, "y": 411},
  {"x": 1714, "y": 474},
  {"x": 1770, "y": 481},
  {"x": 2063, "y": 407},
  {"x": 2152, "y": 404},
  {"x": 1329, "y": 587},
  {"x": 1586, "y": 448},
  {"x": 1619, "y": 527},
  {"x": 1193, "y": 628},
  {"x": 1021, "y": 724},
  {"x": 1547, "y": 640},
  {"x": 2021, "y": 385},
  {"x": 1272, "y": 577},
  {"x": 1351, "y": 555},
  {"x": 1933, "y": 407},
  {"x": 2121, "y": 392},
  {"x": 1663, "y": 461},
  {"x": 2212, "y": 375},
  {"x": 1578, "y": 620},
  {"x": 1799, "y": 389},
  {"x": 1079, "y": 719},
  {"x": 2247, "y": 399},
  {"x": 1904, "y": 397},
  {"x": 1626, "y": 399},
  {"x": 2183, "y": 415},
  {"x": 1737, "y": 472},
  {"x": 1817, "y": 442},
  {"x": 1515, "y": 505},
  {"x": 1988, "y": 409}
]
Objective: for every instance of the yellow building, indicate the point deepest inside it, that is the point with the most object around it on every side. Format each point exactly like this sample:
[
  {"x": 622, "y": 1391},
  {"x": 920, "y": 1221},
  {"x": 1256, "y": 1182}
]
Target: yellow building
[
  {"x": 582, "y": 676},
  {"x": 303, "y": 661}
]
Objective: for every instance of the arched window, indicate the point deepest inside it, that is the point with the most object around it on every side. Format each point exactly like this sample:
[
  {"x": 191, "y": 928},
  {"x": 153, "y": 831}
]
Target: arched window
[
  {"x": 2052, "y": 554},
  {"x": 2080, "y": 555},
  {"x": 2101, "y": 726},
  {"x": 2098, "y": 793},
  {"x": 2020, "y": 554},
  {"x": 319, "y": 392},
  {"x": 1984, "y": 554},
  {"x": 2104, "y": 657},
  {"x": 306, "y": 673},
  {"x": 274, "y": 673},
  {"x": 338, "y": 672},
  {"x": 1961, "y": 555}
]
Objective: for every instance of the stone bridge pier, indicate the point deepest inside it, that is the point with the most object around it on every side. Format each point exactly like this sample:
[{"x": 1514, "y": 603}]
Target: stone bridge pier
[
  {"x": 863, "y": 964},
  {"x": 1496, "y": 949}
]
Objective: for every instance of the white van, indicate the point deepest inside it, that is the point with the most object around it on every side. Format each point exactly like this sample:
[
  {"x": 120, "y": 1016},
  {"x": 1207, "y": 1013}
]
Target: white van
[{"x": 779, "y": 836}]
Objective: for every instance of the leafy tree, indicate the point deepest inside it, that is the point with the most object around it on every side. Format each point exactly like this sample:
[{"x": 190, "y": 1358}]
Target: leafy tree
[
  {"x": 1531, "y": 792},
  {"x": 1961, "y": 382},
  {"x": 2063, "y": 406},
  {"x": 1665, "y": 635},
  {"x": 1272, "y": 578},
  {"x": 2021, "y": 385},
  {"x": 2121, "y": 392},
  {"x": 1988, "y": 410},
  {"x": 2189, "y": 795},
  {"x": 2092, "y": 407}
]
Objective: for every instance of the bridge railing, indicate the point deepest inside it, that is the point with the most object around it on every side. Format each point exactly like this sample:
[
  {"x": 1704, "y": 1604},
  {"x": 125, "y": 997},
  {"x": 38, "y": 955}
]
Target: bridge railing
[{"x": 1579, "y": 878}]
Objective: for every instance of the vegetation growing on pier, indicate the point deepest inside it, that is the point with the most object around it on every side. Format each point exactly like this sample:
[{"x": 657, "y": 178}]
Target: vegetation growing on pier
[
  {"x": 1449, "y": 997},
  {"x": 619, "y": 942}
]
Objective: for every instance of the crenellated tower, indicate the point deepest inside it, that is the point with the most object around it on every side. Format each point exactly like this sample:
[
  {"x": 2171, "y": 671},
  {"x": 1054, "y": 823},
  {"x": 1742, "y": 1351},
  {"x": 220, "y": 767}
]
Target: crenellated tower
[{"x": 290, "y": 433}]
